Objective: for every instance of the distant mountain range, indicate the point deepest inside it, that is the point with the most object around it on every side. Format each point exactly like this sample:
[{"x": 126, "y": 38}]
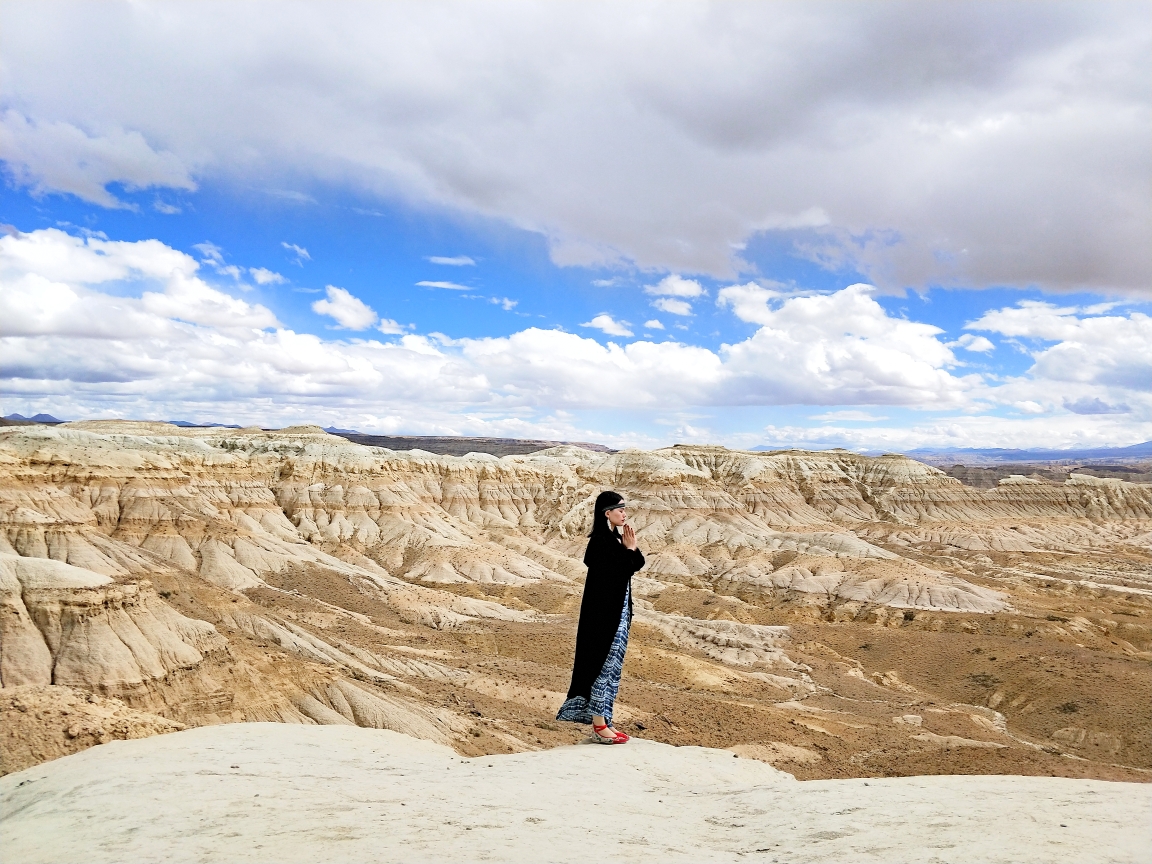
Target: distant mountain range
[
  {"x": 972, "y": 456},
  {"x": 998, "y": 455},
  {"x": 994, "y": 455},
  {"x": 39, "y": 418},
  {"x": 187, "y": 424}
]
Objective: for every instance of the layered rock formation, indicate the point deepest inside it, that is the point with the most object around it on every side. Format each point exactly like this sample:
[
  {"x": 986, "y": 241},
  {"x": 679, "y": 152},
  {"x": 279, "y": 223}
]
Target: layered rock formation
[
  {"x": 70, "y": 626},
  {"x": 208, "y": 575}
]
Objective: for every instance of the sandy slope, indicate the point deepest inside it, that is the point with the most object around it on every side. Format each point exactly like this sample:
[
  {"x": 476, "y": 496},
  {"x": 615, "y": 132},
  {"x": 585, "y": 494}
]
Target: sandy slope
[{"x": 275, "y": 792}]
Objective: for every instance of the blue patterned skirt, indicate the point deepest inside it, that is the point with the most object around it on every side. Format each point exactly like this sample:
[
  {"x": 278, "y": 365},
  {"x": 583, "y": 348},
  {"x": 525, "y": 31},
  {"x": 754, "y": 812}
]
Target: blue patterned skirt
[{"x": 607, "y": 683}]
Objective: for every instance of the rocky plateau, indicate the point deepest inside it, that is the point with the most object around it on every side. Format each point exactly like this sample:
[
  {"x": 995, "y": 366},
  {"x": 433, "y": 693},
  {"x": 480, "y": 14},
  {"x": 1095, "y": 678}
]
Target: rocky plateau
[{"x": 831, "y": 614}]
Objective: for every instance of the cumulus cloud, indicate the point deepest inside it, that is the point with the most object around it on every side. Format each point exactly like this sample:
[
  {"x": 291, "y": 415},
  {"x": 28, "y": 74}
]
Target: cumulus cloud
[
  {"x": 668, "y": 291},
  {"x": 390, "y": 327},
  {"x": 673, "y": 307},
  {"x": 263, "y": 276},
  {"x": 454, "y": 261},
  {"x": 102, "y": 326},
  {"x": 971, "y": 342},
  {"x": 748, "y": 302},
  {"x": 975, "y": 144},
  {"x": 841, "y": 348},
  {"x": 1086, "y": 360},
  {"x": 609, "y": 325},
  {"x": 350, "y": 313},
  {"x": 48, "y": 278},
  {"x": 653, "y": 324},
  {"x": 1098, "y": 349},
  {"x": 675, "y": 286}
]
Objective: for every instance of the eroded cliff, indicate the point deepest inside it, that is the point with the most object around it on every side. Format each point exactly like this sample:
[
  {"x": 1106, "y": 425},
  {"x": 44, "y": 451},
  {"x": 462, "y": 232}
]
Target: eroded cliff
[{"x": 811, "y": 600}]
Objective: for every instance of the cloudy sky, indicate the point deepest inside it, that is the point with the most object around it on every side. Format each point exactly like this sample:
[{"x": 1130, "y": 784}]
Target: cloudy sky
[{"x": 874, "y": 225}]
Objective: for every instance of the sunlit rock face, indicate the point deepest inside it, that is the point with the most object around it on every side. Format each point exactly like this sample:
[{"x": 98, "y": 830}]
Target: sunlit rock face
[
  {"x": 70, "y": 626},
  {"x": 222, "y": 575}
]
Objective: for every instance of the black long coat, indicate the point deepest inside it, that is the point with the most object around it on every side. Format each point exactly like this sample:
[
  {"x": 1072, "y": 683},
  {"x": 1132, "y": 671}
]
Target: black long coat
[{"x": 610, "y": 569}]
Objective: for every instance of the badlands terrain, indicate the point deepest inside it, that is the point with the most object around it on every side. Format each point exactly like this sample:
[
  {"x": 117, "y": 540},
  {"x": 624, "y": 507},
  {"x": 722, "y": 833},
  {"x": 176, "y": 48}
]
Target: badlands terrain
[{"x": 833, "y": 615}]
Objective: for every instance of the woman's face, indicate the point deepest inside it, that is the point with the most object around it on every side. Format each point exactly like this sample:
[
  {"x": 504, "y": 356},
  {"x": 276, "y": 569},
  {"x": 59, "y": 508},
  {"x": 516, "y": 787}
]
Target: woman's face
[{"x": 617, "y": 516}]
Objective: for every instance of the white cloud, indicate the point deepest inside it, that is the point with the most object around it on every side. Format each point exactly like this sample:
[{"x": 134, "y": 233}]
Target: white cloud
[
  {"x": 166, "y": 208},
  {"x": 653, "y": 324},
  {"x": 451, "y": 286},
  {"x": 60, "y": 157},
  {"x": 210, "y": 251},
  {"x": 96, "y": 326},
  {"x": 861, "y": 416},
  {"x": 350, "y": 312},
  {"x": 843, "y": 349},
  {"x": 54, "y": 255},
  {"x": 299, "y": 252},
  {"x": 214, "y": 258},
  {"x": 609, "y": 325},
  {"x": 931, "y": 176},
  {"x": 455, "y": 261},
  {"x": 263, "y": 276},
  {"x": 1027, "y": 406},
  {"x": 1095, "y": 405},
  {"x": 504, "y": 303},
  {"x": 675, "y": 286},
  {"x": 47, "y": 278},
  {"x": 390, "y": 327},
  {"x": 1084, "y": 362},
  {"x": 971, "y": 342},
  {"x": 749, "y": 302},
  {"x": 1068, "y": 430},
  {"x": 673, "y": 307},
  {"x": 1105, "y": 350}
]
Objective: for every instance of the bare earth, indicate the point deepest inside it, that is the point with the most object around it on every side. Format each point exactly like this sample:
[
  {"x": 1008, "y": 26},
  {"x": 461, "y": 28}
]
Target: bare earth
[
  {"x": 834, "y": 615},
  {"x": 284, "y": 793}
]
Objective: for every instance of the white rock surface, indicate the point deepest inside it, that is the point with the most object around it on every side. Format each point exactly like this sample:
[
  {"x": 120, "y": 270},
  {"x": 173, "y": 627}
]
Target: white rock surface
[{"x": 280, "y": 793}]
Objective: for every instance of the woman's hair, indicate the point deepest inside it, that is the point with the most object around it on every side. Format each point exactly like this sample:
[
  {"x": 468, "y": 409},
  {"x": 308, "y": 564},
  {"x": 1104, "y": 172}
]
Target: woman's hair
[{"x": 604, "y": 501}]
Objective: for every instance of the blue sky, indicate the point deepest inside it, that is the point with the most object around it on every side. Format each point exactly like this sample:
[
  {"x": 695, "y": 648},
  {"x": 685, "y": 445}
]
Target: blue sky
[{"x": 963, "y": 261}]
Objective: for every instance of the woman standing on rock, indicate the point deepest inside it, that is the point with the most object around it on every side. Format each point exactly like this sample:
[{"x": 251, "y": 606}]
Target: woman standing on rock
[{"x": 605, "y": 616}]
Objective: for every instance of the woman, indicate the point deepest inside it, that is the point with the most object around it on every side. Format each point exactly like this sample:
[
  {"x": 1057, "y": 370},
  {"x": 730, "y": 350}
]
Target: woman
[{"x": 605, "y": 615}]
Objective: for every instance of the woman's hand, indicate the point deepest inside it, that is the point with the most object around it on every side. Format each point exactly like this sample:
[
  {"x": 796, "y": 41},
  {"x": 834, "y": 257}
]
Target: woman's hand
[{"x": 629, "y": 537}]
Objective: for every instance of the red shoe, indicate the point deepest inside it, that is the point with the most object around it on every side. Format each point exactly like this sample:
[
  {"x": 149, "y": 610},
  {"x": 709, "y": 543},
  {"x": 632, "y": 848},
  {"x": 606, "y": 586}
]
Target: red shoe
[{"x": 620, "y": 737}]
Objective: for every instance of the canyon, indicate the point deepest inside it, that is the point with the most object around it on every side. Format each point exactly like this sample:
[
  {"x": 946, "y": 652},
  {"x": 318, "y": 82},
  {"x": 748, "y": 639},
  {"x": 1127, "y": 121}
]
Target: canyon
[{"x": 834, "y": 615}]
